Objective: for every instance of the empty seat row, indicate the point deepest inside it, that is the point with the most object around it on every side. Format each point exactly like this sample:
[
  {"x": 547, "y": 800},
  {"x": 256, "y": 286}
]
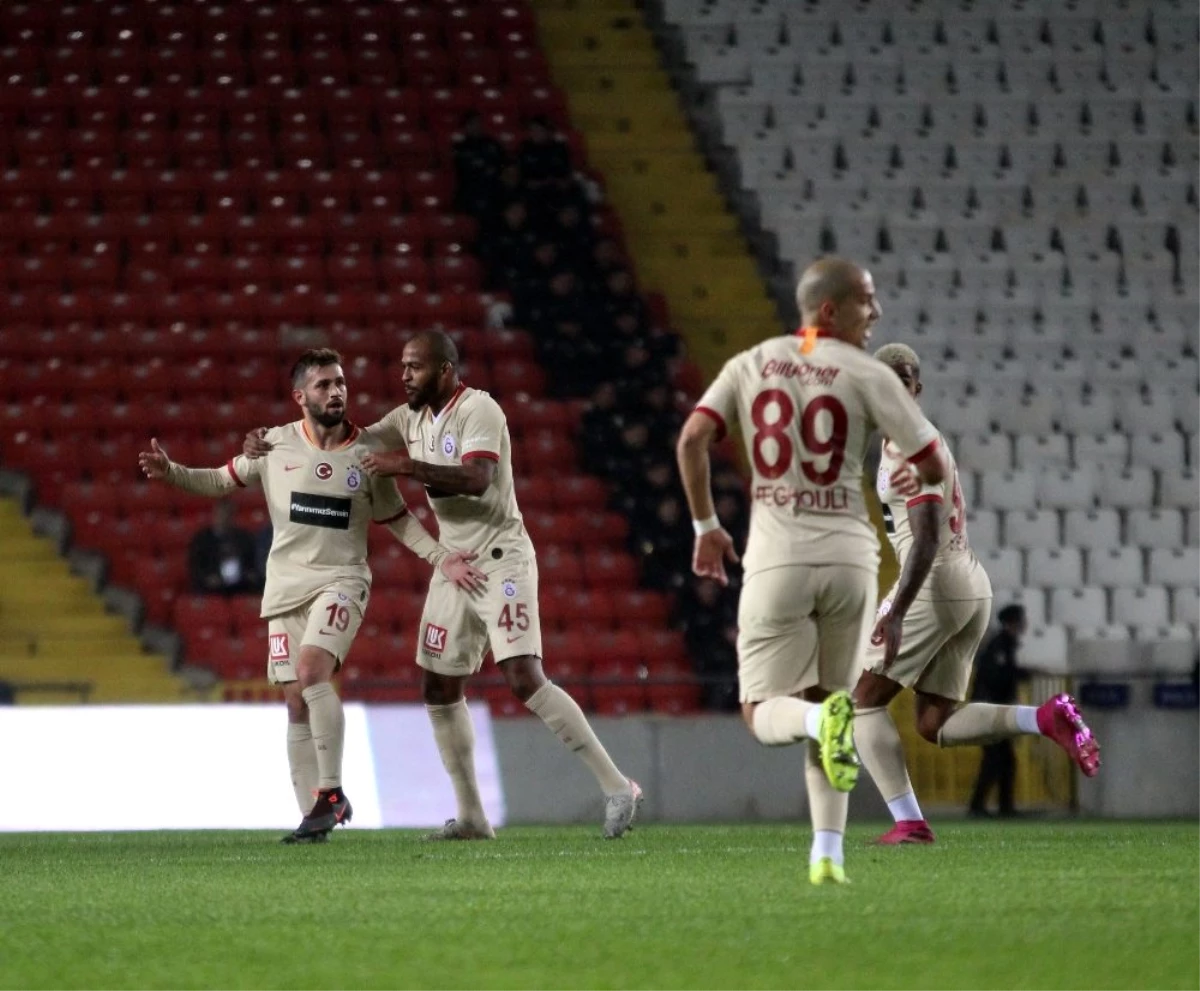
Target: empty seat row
[
  {"x": 1064, "y": 567},
  {"x": 1084, "y": 488},
  {"x": 1126, "y": 532}
]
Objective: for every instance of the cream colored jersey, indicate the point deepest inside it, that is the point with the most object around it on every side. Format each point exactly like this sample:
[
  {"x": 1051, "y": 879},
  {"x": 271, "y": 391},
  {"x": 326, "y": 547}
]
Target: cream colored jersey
[
  {"x": 956, "y": 571},
  {"x": 471, "y": 425},
  {"x": 807, "y": 407},
  {"x": 321, "y": 503}
]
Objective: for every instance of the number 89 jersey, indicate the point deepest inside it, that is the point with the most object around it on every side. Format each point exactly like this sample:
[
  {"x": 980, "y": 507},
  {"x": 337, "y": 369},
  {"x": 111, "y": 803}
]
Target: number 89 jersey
[
  {"x": 956, "y": 572},
  {"x": 806, "y": 406}
]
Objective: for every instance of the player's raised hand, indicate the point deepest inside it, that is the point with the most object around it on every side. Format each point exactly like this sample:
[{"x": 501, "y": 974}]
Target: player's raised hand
[
  {"x": 154, "y": 463},
  {"x": 711, "y": 552},
  {"x": 255, "y": 445},
  {"x": 905, "y": 482},
  {"x": 458, "y": 568},
  {"x": 385, "y": 464}
]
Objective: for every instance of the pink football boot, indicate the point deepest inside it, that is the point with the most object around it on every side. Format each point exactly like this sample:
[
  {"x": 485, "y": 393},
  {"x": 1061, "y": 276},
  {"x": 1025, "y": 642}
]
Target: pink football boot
[
  {"x": 1059, "y": 719},
  {"x": 907, "y": 831}
]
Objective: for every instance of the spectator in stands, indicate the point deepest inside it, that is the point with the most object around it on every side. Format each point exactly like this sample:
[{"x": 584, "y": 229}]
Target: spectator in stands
[
  {"x": 508, "y": 246},
  {"x": 544, "y": 157},
  {"x": 997, "y": 675},
  {"x": 709, "y": 619},
  {"x": 8, "y": 695},
  {"x": 661, "y": 543},
  {"x": 222, "y": 558},
  {"x": 574, "y": 237},
  {"x": 478, "y": 161}
]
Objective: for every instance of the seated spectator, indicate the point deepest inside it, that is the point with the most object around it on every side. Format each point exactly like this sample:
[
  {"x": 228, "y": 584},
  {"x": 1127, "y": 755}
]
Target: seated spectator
[
  {"x": 544, "y": 157},
  {"x": 222, "y": 558},
  {"x": 478, "y": 161},
  {"x": 709, "y": 618},
  {"x": 665, "y": 544}
]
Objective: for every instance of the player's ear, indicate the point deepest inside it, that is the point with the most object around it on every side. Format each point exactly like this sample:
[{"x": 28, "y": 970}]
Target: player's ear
[
  {"x": 920, "y": 387},
  {"x": 298, "y": 396}
]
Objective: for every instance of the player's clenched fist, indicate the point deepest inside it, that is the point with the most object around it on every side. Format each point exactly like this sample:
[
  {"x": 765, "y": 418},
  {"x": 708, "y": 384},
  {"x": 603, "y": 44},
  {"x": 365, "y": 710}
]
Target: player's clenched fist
[
  {"x": 386, "y": 464},
  {"x": 154, "y": 463},
  {"x": 255, "y": 445},
  {"x": 711, "y": 552}
]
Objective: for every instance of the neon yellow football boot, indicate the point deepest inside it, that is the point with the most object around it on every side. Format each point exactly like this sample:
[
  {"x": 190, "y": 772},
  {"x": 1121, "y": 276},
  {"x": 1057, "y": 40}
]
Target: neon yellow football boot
[
  {"x": 838, "y": 756},
  {"x": 825, "y": 871}
]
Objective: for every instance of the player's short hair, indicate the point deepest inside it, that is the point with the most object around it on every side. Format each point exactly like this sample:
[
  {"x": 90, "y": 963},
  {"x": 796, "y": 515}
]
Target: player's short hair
[
  {"x": 828, "y": 279},
  {"x": 894, "y": 355},
  {"x": 441, "y": 346},
  {"x": 1011, "y": 614},
  {"x": 313, "y": 358}
]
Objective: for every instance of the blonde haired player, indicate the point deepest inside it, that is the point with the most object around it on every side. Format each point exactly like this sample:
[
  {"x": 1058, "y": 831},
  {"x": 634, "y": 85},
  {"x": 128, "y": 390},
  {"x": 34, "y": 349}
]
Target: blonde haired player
[
  {"x": 807, "y": 405},
  {"x": 929, "y": 628},
  {"x": 455, "y": 441},
  {"x": 321, "y": 504}
]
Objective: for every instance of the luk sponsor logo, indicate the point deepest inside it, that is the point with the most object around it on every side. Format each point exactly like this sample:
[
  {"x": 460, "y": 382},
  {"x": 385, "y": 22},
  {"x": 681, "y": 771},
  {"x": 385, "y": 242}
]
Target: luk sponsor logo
[
  {"x": 279, "y": 647},
  {"x": 435, "y": 638}
]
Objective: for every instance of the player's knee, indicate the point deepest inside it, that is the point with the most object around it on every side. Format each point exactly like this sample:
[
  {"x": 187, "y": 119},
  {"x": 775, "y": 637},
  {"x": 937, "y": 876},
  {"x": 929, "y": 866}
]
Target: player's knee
[
  {"x": 524, "y": 676},
  {"x": 295, "y": 707},
  {"x": 440, "y": 691},
  {"x": 748, "y": 716},
  {"x": 929, "y": 723}
]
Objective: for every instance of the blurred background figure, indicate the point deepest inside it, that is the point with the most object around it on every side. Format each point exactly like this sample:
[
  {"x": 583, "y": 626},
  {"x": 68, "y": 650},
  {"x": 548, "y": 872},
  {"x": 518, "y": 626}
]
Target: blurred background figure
[
  {"x": 223, "y": 558},
  {"x": 997, "y": 675}
]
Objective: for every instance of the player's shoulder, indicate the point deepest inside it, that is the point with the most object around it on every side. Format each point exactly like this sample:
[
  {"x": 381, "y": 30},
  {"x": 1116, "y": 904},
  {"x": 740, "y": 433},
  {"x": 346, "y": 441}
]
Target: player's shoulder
[
  {"x": 284, "y": 433},
  {"x": 475, "y": 400}
]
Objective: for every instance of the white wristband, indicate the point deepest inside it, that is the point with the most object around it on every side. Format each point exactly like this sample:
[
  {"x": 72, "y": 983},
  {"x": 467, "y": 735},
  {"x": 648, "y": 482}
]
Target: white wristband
[{"x": 706, "y": 526}]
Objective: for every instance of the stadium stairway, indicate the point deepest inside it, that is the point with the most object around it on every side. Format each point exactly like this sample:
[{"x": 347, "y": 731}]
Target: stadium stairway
[
  {"x": 57, "y": 642},
  {"x": 686, "y": 243}
]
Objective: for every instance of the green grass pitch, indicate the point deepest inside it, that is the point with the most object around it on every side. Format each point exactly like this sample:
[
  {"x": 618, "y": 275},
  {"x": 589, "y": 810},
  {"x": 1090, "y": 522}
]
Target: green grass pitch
[{"x": 1025, "y": 905}]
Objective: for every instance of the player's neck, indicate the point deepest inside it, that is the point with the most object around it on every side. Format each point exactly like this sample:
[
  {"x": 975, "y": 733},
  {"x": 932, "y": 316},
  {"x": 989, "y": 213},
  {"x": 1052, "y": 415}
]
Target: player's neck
[
  {"x": 327, "y": 438},
  {"x": 441, "y": 402}
]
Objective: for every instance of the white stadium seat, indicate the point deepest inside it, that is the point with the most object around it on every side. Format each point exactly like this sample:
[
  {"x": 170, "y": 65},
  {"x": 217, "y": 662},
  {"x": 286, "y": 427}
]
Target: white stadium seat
[
  {"x": 1033, "y": 600},
  {"x": 983, "y": 529},
  {"x": 1072, "y": 488},
  {"x": 1101, "y": 449},
  {"x": 1045, "y": 649},
  {"x": 983, "y": 452},
  {"x": 1154, "y": 528},
  {"x": 1043, "y": 451},
  {"x": 1091, "y": 414},
  {"x": 1193, "y": 527},
  {"x": 1078, "y": 607},
  {"x": 1179, "y": 568},
  {"x": 1128, "y": 488},
  {"x": 1103, "y": 651},
  {"x": 1163, "y": 451},
  {"x": 1091, "y": 528},
  {"x": 1028, "y": 528},
  {"x": 1002, "y": 489},
  {"x": 1180, "y": 488},
  {"x": 1054, "y": 567},
  {"x": 1116, "y": 567},
  {"x": 1140, "y": 606},
  {"x": 1175, "y": 657},
  {"x": 1185, "y": 606},
  {"x": 1033, "y": 414}
]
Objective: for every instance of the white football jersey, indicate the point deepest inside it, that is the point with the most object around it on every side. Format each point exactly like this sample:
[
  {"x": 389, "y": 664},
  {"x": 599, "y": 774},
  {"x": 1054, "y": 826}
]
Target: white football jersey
[
  {"x": 956, "y": 571},
  {"x": 807, "y": 406}
]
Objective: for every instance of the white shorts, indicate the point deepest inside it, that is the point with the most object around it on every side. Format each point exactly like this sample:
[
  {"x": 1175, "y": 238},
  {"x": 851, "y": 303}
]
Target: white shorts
[
  {"x": 938, "y": 643},
  {"x": 803, "y": 626},
  {"x": 329, "y": 621},
  {"x": 458, "y": 627}
]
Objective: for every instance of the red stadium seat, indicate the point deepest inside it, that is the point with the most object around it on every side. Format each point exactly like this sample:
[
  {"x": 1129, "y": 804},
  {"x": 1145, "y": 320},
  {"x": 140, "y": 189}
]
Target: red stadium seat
[
  {"x": 608, "y": 569},
  {"x": 616, "y": 690}
]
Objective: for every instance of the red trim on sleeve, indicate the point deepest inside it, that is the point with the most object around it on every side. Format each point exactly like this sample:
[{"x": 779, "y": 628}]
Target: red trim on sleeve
[
  {"x": 717, "y": 417},
  {"x": 927, "y": 497},
  {"x": 392, "y": 519},
  {"x": 233, "y": 472},
  {"x": 481, "y": 454},
  {"x": 922, "y": 454}
]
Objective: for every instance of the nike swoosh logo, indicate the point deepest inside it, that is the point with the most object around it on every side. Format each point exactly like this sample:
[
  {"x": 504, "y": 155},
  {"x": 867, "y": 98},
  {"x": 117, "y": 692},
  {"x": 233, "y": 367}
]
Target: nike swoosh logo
[
  {"x": 511, "y": 639},
  {"x": 291, "y": 467}
]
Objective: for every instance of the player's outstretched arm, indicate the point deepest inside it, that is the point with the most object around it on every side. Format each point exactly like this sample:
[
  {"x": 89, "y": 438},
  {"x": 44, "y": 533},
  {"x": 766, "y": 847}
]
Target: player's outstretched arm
[
  {"x": 923, "y": 519},
  {"x": 471, "y": 478},
  {"x": 714, "y": 545},
  {"x": 212, "y": 482},
  {"x": 455, "y": 565}
]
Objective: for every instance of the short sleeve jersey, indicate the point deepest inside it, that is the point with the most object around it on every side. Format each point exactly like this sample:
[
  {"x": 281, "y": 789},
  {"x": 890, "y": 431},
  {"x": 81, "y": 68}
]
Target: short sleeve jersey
[
  {"x": 807, "y": 406},
  {"x": 956, "y": 571},
  {"x": 470, "y": 425},
  {"x": 321, "y": 504}
]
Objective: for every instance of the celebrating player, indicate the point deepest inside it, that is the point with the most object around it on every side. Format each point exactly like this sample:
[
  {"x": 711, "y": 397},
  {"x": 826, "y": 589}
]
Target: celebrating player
[
  {"x": 929, "y": 628},
  {"x": 806, "y": 405},
  {"x": 318, "y": 582},
  {"x": 458, "y": 446}
]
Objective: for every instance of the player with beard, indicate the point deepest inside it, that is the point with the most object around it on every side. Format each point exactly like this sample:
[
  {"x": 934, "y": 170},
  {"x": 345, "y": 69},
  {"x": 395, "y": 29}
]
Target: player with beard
[
  {"x": 321, "y": 502},
  {"x": 457, "y": 444}
]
